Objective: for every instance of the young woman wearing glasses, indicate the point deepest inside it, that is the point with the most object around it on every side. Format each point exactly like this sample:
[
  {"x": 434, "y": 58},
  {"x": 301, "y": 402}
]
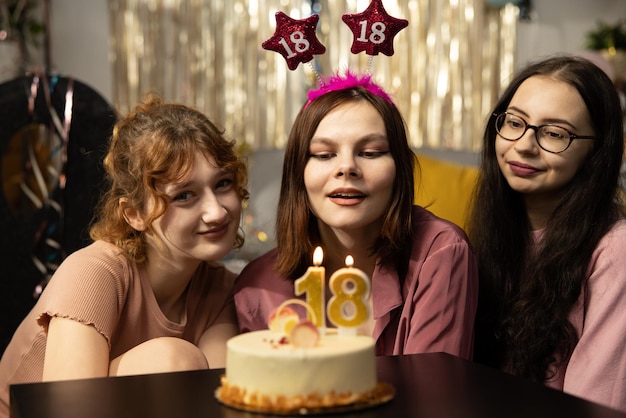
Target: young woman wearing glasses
[{"x": 548, "y": 229}]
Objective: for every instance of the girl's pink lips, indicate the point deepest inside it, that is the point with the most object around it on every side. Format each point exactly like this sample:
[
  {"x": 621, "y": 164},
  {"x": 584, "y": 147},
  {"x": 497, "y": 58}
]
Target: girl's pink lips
[
  {"x": 216, "y": 231},
  {"x": 347, "y": 196},
  {"x": 522, "y": 169}
]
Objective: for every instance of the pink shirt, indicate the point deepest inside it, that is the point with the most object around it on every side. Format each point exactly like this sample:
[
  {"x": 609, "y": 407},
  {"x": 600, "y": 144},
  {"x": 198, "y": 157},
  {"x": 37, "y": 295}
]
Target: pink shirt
[
  {"x": 597, "y": 368},
  {"x": 431, "y": 310},
  {"x": 97, "y": 285}
]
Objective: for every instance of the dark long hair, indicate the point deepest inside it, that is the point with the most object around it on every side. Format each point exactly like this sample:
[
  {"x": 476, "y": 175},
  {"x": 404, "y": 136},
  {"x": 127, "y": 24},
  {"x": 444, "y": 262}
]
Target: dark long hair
[
  {"x": 526, "y": 297},
  {"x": 296, "y": 227}
]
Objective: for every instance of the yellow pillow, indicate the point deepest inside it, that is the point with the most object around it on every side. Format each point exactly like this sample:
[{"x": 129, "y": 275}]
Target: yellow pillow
[{"x": 445, "y": 188}]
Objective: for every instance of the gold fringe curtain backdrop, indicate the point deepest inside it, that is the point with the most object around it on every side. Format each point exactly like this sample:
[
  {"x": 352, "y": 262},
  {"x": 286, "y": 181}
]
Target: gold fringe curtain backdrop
[{"x": 449, "y": 65}]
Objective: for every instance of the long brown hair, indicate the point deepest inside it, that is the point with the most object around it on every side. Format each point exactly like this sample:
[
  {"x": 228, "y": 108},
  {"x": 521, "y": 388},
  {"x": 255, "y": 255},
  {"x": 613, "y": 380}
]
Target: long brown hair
[
  {"x": 156, "y": 143},
  {"x": 296, "y": 227},
  {"x": 526, "y": 296}
]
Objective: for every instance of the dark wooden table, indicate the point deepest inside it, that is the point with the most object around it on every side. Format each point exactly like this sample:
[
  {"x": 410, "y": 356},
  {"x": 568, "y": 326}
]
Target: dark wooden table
[{"x": 427, "y": 385}]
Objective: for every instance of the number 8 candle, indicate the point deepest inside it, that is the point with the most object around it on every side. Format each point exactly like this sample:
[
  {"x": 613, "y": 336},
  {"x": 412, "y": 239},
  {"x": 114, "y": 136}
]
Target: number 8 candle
[
  {"x": 347, "y": 308},
  {"x": 312, "y": 283}
]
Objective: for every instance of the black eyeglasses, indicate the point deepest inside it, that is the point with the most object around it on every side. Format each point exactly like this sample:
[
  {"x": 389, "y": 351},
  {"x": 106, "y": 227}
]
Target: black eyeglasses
[{"x": 551, "y": 138}]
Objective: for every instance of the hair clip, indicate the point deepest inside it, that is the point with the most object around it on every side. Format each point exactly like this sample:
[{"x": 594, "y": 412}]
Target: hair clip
[{"x": 373, "y": 31}]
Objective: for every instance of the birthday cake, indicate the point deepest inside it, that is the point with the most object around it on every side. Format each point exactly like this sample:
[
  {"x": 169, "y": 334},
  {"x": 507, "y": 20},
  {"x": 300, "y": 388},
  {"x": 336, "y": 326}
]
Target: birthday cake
[{"x": 301, "y": 370}]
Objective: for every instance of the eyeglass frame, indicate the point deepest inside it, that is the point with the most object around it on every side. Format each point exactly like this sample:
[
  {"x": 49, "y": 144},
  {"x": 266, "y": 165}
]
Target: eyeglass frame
[{"x": 536, "y": 128}]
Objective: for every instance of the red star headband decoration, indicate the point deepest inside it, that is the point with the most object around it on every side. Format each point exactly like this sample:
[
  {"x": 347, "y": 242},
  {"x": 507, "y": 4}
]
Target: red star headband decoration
[
  {"x": 295, "y": 39},
  {"x": 374, "y": 29}
]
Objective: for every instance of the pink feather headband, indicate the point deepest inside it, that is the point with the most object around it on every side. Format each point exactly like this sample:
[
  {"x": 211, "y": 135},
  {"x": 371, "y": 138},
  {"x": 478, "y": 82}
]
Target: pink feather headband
[{"x": 347, "y": 81}]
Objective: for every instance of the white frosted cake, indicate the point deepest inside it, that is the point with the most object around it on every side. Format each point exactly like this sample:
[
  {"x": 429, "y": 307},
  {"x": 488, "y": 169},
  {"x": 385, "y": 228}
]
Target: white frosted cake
[{"x": 266, "y": 373}]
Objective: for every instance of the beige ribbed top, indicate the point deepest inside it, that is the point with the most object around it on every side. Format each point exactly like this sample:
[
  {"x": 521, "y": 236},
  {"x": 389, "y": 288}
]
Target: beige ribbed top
[{"x": 97, "y": 285}]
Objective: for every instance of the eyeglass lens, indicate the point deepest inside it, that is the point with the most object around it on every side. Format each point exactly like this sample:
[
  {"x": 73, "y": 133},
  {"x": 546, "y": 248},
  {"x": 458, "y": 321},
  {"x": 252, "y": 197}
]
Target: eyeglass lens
[{"x": 550, "y": 137}]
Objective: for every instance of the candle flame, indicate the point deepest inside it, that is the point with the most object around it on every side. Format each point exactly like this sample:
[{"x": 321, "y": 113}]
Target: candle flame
[
  {"x": 349, "y": 261},
  {"x": 318, "y": 256}
]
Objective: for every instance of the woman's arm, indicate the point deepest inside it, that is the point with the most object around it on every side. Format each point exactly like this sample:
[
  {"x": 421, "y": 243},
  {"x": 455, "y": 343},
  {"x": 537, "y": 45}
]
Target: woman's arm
[
  {"x": 444, "y": 302},
  {"x": 213, "y": 341},
  {"x": 74, "y": 351},
  {"x": 597, "y": 367}
]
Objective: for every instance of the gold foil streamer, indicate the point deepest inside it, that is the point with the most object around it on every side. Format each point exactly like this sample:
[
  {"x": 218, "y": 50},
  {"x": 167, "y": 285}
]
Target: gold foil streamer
[{"x": 448, "y": 68}]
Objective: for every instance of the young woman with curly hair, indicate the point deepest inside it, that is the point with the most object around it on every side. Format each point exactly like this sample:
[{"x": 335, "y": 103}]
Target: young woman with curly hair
[{"x": 148, "y": 294}]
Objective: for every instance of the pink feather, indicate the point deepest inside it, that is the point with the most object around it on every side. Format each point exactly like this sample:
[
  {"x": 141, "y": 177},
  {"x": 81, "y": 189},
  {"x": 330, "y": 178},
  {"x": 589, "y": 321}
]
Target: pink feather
[{"x": 346, "y": 81}]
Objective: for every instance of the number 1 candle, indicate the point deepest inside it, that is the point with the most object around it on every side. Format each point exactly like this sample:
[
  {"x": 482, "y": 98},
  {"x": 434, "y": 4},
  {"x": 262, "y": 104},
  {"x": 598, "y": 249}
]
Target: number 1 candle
[{"x": 312, "y": 283}]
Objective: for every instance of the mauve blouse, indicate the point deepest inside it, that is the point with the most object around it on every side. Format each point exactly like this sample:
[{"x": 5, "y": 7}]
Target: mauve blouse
[{"x": 431, "y": 309}]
